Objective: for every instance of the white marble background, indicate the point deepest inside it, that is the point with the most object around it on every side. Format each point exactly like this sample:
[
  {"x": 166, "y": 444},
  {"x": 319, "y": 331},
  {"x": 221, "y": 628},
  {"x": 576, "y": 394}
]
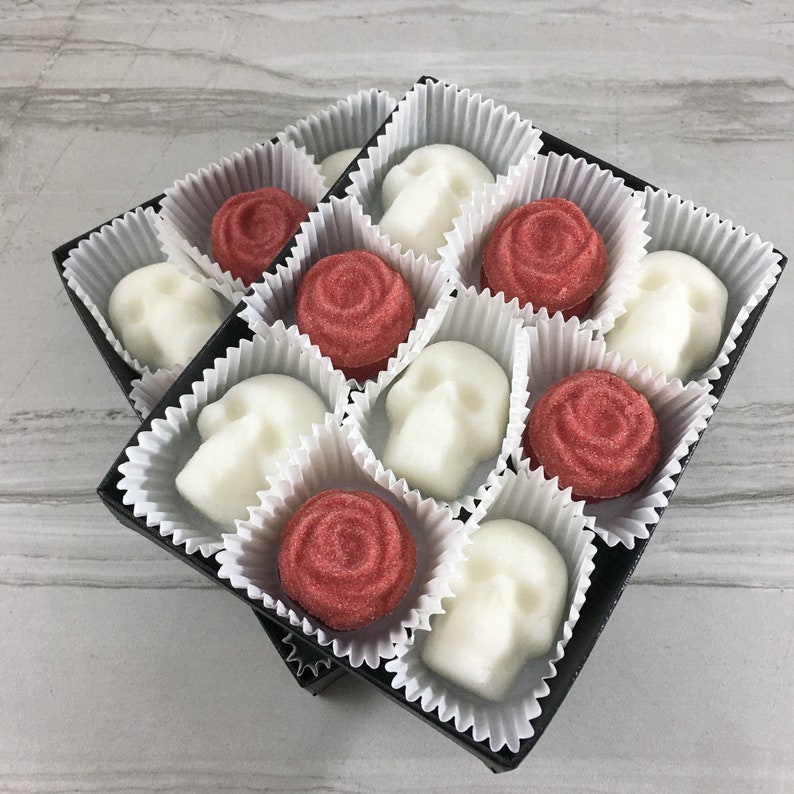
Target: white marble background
[{"x": 120, "y": 668}]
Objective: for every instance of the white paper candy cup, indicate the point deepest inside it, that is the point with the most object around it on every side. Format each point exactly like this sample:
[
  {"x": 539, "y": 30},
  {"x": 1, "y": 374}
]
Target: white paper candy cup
[
  {"x": 558, "y": 349},
  {"x": 349, "y": 124},
  {"x": 148, "y": 390},
  {"x": 333, "y": 459},
  {"x": 334, "y": 227},
  {"x": 480, "y": 321},
  {"x": 303, "y": 662},
  {"x": 161, "y": 452},
  {"x": 185, "y": 222},
  {"x": 437, "y": 113},
  {"x": 525, "y": 497},
  {"x": 102, "y": 260},
  {"x": 746, "y": 265},
  {"x": 610, "y": 206}
]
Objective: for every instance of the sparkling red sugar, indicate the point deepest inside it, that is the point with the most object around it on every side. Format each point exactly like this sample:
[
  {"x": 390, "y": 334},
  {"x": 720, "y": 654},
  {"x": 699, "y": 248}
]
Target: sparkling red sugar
[
  {"x": 356, "y": 309},
  {"x": 347, "y": 558},
  {"x": 546, "y": 253},
  {"x": 250, "y": 229},
  {"x": 594, "y": 432}
]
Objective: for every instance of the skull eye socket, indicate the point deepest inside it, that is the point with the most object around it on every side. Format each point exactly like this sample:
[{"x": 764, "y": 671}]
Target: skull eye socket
[
  {"x": 471, "y": 398},
  {"x": 428, "y": 379},
  {"x": 528, "y": 597},
  {"x": 416, "y": 168},
  {"x": 134, "y": 311},
  {"x": 480, "y": 570},
  {"x": 271, "y": 439},
  {"x": 234, "y": 410},
  {"x": 653, "y": 281}
]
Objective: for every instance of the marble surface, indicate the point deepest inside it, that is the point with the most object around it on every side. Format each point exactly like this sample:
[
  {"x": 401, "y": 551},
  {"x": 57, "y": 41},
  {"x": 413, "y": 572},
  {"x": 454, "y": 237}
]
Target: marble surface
[{"x": 123, "y": 670}]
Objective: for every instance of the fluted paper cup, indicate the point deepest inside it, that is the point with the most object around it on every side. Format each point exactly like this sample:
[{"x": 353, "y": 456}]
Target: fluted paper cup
[
  {"x": 346, "y": 126},
  {"x": 333, "y": 459},
  {"x": 558, "y": 349},
  {"x": 336, "y": 226},
  {"x": 100, "y": 262},
  {"x": 611, "y": 208},
  {"x": 528, "y": 498},
  {"x": 746, "y": 265},
  {"x": 313, "y": 663},
  {"x": 186, "y": 213},
  {"x": 149, "y": 389},
  {"x": 478, "y": 320}
]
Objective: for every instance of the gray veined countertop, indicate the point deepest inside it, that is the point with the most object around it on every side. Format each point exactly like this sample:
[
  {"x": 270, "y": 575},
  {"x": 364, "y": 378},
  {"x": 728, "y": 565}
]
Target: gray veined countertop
[{"x": 123, "y": 670}]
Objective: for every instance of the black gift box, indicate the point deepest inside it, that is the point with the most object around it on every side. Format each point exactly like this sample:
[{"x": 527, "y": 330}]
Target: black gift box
[{"x": 613, "y": 565}]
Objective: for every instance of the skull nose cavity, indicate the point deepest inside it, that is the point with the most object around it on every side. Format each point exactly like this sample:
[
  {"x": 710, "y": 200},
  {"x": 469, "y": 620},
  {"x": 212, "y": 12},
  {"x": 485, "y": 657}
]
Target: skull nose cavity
[
  {"x": 414, "y": 168},
  {"x": 168, "y": 284},
  {"x": 480, "y": 570},
  {"x": 471, "y": 399},
  {"x": 460, "y": 187}
]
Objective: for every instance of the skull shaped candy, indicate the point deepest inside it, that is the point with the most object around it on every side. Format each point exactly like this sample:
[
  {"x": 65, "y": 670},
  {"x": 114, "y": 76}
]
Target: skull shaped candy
[
  {"x": 162, "y": 316},
  {"x": 245, "y": 434},
  {"x": 674, "y": 318},
  {"x": 448, "y": 412},
  {"x": 509, "y": 598},
  {"x": 334, "y": 165},
  {"x": 423, "y": 195}
]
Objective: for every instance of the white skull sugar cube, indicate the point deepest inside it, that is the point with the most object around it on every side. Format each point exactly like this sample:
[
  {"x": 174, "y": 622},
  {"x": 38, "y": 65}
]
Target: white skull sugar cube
[
  {"x": 244, "y": 436},
  {"x": 508, "y": 604},
  {"x": 161, "y": 316},
  {"x": 423, "y": 195},
  {"x": 674, "y": 317},
  {"x": 447, "y": 413}
]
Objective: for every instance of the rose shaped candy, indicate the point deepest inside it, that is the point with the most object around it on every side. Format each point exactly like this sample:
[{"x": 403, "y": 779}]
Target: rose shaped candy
[
  {"x": 250, "y": 228},
  {"x": 546, "y": 253},
  {"x": 595, "y": 433},
  {"x": 356, "y": 309},
  {"x": 347, "y": 558}
]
